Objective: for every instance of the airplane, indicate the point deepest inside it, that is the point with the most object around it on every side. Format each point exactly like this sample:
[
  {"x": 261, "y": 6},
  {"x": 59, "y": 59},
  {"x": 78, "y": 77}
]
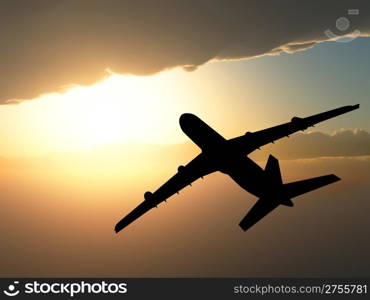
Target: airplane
[{"x": 230, "y": 157}]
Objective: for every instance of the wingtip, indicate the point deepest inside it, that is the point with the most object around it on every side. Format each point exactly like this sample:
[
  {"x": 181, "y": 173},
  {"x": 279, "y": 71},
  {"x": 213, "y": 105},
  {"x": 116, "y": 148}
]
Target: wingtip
[
  {"x": 356, "y": 106},
  {"x": 335, "y": 177},
  {"x": 243, "y": 227},
  {"x": 117, "y": 228}
]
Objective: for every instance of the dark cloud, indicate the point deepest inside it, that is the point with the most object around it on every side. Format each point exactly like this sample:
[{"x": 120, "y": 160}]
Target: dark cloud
[
  {"x": 345, "y": 142},
  {"x": 49, "y": 44}
]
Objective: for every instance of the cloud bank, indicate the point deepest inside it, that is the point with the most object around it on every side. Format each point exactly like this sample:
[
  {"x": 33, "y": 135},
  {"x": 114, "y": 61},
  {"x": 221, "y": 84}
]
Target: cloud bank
[
  {"x": 345, "y": 142},
  {"x": 46, "y": 45}
]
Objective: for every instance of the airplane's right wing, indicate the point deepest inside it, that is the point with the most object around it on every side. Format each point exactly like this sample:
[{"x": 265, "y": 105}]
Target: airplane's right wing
[
  {"x": 195, "y": 169},
  {"x": 253, "y": 140}
]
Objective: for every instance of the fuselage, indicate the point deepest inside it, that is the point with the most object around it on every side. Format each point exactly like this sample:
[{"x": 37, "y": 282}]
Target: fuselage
[
  {"x": 244, "y": 171},
  {"x": 225, "y": 157}
]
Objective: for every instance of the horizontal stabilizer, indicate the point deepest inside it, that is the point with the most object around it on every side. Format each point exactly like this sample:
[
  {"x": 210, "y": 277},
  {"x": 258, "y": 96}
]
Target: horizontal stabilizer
[
  {"x": 290, "y": 190},
  {"x": 262, "y": 207},
  {"x": 297, "y": 188}
]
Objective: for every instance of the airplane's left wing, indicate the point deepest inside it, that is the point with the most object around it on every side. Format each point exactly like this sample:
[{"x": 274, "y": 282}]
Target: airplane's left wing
[
  {"x": 253, "y": 140},
  {"x": 187, "y": 174}
]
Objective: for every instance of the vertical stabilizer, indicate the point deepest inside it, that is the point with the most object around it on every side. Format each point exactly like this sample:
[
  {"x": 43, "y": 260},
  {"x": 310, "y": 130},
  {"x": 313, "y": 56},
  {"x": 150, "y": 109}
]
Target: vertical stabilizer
[{"x": 272, "y": 169}]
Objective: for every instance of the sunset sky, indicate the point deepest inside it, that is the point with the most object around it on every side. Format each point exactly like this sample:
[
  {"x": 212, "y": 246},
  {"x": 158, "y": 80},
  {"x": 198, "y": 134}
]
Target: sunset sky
[
  {"x": 90, "y": 97},
  {"x": 234, "y": 97}
]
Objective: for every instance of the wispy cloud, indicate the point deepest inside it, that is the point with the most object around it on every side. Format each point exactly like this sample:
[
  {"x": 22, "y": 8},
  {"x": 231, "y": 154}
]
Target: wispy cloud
[{"x": 345, "y": 142}]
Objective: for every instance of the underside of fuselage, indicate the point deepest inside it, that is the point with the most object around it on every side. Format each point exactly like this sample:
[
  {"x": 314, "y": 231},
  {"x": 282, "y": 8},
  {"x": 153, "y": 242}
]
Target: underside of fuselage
[
  {"x": 246, "y": 173},
  {"x": 224, "y": 156}
]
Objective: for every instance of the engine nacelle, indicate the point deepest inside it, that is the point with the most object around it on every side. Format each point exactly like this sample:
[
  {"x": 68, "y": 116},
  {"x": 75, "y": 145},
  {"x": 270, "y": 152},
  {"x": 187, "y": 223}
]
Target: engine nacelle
[
  {"x": 148, "y": 196},
  {"x": 296, "y": 119},
  {"x": 299, "y": 122},
  {"x": 248, "y": 133},
  {"x": 181, "y": 169}
]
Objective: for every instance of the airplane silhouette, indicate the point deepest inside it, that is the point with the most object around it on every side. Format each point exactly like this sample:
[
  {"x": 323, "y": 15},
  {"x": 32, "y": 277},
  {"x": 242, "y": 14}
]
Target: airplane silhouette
[{"x": 230, "y": 157}]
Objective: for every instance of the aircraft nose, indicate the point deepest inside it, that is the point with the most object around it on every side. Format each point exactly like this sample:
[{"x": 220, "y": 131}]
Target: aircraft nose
[{"x": 186, "y": 119}]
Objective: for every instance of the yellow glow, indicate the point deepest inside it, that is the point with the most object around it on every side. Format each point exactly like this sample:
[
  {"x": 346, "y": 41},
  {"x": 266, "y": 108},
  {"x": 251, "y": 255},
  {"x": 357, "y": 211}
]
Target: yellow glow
[
  {"x": 108, "y": 112},
  {"x": 116, "y": 110},
  {"x": 120, "y": 109}
]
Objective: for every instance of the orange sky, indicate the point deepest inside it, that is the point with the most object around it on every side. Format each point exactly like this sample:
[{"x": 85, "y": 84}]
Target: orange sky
[{"x": 57, "y": 220}]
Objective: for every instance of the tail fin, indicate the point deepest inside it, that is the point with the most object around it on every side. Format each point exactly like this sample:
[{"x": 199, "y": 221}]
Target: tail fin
[
  {"x": 273, "y": 170},
  {"x": 297, "y": 188}
]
